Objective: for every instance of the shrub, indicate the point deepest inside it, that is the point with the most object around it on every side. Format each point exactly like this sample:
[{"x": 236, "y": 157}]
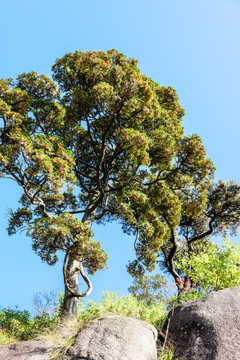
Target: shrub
[
  {"x": 14, "y": 322},
  {"x": 215, "y": 269},
  {"x": 114, "y": 304},
  {"x": 18, "y": 325}
]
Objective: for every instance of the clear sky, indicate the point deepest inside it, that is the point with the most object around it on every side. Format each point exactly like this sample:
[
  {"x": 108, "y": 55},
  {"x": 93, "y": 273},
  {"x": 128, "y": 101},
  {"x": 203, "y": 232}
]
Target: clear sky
[{"x": 191, "y": 45}]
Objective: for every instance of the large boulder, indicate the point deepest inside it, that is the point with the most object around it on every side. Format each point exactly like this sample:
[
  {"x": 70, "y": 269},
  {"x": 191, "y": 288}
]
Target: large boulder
[
  {"x": 26, "y": 350},
  {"x": 208, "y": 328},
  {"x": 115, "y": 338}
]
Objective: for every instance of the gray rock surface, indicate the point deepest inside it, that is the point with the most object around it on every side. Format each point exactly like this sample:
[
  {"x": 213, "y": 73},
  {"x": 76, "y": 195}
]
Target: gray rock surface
[
  {"x": 115, "y": 338},
  {"x": 26, "y": 350},
  {"x": 208, "y": 328}
]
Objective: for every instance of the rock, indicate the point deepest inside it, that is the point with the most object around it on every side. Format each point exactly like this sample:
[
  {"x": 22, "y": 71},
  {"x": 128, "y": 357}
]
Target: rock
[
  {"x": 208, "y": 328},
  {"x": 115, "y": 338},
  {"x": 26, "y": 350}
]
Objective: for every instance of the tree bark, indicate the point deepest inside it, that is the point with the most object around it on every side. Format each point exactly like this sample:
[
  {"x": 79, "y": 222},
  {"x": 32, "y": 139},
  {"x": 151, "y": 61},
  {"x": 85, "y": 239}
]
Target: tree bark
[
  {"x": 70, "y": 301},
  {"x": 74, "y": 268}
]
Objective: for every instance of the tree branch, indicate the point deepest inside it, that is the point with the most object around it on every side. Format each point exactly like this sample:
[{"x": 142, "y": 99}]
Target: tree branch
[{"x": 206, "y": 233}]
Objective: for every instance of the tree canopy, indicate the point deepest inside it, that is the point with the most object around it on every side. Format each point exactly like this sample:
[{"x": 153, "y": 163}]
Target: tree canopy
[{"x": 103, "y": 141}]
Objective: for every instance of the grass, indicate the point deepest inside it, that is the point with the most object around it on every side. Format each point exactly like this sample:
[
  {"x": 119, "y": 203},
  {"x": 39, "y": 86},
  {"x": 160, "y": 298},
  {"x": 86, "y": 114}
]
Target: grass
[
  {"x": 63, "y": 334},
  {"x": 6, "y": 339}
]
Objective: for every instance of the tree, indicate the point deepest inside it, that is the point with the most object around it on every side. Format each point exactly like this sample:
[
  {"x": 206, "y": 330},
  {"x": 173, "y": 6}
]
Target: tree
[
  {"x": 215, "y": 269},
  {"x": 189, "y": 242},
  {"x": 106, "y": 144},
  {"x": 149, "y": 288}
]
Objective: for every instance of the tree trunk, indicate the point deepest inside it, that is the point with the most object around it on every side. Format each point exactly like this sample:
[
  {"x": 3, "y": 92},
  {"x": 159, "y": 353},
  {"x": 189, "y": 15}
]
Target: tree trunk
[{"x": 70, "y": 301}]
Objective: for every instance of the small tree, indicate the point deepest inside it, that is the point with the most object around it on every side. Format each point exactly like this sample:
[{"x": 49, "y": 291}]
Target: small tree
[
  {"x": 215, "y": 269},
  {"x": 109, "y": 146},
  {"x": 189, "y": 242},
  {"x": 149, "y": 288}
]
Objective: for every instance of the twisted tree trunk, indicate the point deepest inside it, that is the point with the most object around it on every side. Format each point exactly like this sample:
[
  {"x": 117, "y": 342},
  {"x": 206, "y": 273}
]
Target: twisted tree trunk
[{"x": 71, "y": 274}]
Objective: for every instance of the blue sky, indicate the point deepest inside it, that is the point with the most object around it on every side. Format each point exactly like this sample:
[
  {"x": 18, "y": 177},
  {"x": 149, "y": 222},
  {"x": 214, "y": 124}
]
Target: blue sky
[{"x": 192, "y": 46}]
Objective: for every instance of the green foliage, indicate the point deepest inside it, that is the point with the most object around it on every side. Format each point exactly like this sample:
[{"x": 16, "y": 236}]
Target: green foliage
[
  {"x": 67, "y": 233},
  {"x": 150, "y": 289},
  {"x": 5, "y": 338},
  {"x": 215, "y": 269},
  {"x": 114, "y": 304},
  {"x": 64, "y": 334},
  {"x": 105, "y": 142},
  {"x": 14, "y": 323},
  {"x": 19, "y": 325},
  {"x": 6, "y": 315},
  {"x": 167, "y": 353},
  {"x": 219, "y": 213}
]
